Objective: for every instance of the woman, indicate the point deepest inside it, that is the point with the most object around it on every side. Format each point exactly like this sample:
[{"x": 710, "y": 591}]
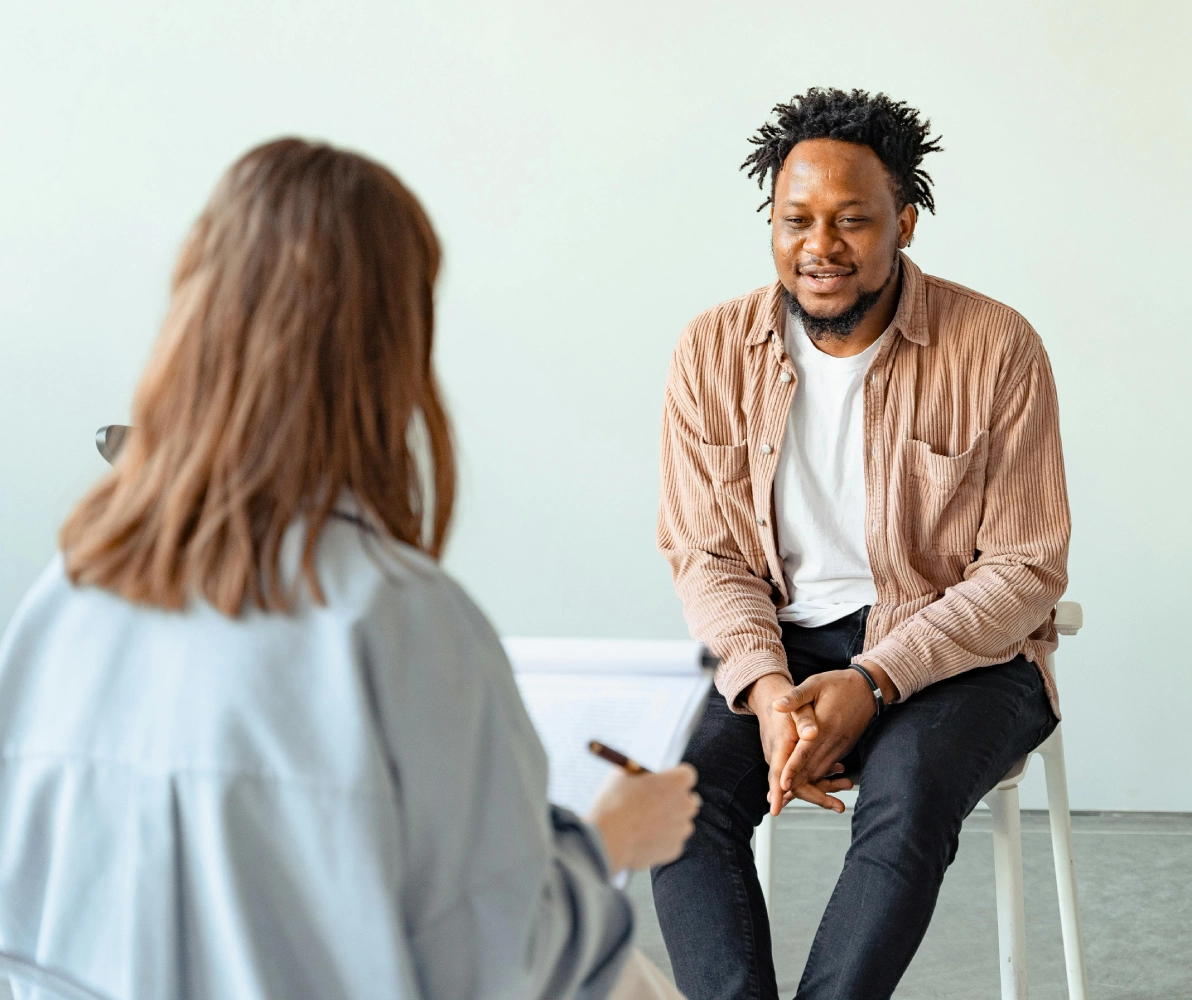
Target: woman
[{"x": 256, "y": 743}]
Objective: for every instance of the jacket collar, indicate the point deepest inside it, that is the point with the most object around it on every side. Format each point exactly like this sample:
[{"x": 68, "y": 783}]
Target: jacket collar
[{"x": 910, "y": 318}]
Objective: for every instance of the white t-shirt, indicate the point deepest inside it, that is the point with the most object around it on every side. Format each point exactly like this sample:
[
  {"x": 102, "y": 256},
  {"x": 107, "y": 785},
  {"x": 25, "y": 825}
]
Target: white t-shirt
[{"x": 819, "y": 487}]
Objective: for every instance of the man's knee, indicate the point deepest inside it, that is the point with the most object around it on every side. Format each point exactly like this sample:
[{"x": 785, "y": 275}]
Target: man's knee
[
  {"x": 913, "y": 828},
  {"x": 913, "y": 800},
  {"x": 933, "y": 759}
]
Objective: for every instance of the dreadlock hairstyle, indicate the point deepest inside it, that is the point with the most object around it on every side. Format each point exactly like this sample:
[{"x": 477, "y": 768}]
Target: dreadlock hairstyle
[{"x": 894, "y": 131}]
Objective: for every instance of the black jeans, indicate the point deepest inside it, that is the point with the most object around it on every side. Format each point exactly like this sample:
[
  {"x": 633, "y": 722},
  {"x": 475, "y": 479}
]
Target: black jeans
[{"x": 922, "y": 768}]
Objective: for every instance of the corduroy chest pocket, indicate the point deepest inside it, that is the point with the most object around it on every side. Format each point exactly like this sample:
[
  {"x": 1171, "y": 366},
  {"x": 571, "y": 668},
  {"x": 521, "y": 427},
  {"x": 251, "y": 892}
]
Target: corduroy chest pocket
[
  {"x": 728, "y": 467},
  {"x": 944, "y": 496}
]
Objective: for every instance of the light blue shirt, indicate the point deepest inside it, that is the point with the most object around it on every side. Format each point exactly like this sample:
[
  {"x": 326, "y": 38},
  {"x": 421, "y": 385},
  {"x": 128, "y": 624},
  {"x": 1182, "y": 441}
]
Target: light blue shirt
[{"x": 344, "y": 801}]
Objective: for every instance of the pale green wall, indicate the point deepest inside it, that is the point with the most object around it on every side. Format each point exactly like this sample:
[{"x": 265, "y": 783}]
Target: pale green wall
[{"x": 580, "y": 163}]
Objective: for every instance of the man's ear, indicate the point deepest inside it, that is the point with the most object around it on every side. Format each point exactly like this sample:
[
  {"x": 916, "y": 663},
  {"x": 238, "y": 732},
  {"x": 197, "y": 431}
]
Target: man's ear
[{"x": 908, "y": 218}]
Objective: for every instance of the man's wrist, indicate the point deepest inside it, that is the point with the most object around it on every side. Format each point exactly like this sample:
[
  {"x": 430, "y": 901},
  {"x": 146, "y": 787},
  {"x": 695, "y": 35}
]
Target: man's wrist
[
  {"x": 889, "y": 688},
  {"x": 764, "y": 691}
]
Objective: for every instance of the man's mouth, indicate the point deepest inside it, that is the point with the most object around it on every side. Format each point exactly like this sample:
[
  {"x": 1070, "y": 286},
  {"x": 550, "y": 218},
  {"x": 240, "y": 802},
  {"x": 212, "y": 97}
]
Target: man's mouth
[{"x": 825, "y": 278}]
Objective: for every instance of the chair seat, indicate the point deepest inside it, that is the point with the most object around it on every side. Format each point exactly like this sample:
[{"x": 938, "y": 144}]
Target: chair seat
[{"x": 1013, "y": 776}]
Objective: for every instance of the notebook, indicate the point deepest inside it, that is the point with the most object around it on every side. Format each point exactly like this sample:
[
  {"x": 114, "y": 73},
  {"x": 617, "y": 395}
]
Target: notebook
[{"x": 642, "y": 697}]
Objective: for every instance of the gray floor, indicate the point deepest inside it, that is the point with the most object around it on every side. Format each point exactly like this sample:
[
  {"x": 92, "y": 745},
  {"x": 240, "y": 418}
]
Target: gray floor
[{"x": 1134, "y": 876}]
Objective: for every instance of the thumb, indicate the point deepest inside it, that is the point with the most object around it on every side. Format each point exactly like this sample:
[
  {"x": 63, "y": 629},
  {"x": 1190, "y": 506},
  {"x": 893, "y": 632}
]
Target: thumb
[
  {"x": 804, "y": 694},
  {"x": 805, "y": 722}
]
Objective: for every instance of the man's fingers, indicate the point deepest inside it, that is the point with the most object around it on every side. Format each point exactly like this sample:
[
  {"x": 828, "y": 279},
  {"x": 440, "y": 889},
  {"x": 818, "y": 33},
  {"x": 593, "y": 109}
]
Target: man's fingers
[
  {"x": 804, "y": 694},
  {"x": 834, "y": 784},
  {"x": 812, "y": 794},
  {"x": 774, "y": 795},
  {"x": 796, "y": 763},
  {"x": 805, "y": 722}
]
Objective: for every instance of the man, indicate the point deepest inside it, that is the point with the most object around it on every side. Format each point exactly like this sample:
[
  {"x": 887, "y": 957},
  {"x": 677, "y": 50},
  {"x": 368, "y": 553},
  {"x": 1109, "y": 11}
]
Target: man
[{"x": 864, "y": 507}]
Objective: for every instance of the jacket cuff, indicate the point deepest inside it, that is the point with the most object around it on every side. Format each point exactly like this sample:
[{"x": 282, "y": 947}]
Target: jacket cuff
[
  {"x": 906, "y": 669},
  {"x": 736, "y": 675}
]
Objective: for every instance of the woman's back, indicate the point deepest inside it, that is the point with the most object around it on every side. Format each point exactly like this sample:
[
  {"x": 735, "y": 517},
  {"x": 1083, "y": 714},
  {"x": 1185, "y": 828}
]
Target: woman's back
[
  {"x": 344, "y": 800},
  {"x": 253, "y": 742}
]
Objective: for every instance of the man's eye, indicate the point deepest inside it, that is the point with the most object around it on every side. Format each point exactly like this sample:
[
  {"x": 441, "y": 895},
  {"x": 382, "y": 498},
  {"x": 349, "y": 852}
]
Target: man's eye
[{"x": 852, "y": 220}]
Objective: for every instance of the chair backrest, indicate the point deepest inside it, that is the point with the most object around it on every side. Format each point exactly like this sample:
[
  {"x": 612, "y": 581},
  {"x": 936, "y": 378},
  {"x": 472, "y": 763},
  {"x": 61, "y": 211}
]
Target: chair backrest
[
  {"x": 26, "y": 980},
  {"x": 109, "y": 439},
  {"x": 1069, "y": 618}
]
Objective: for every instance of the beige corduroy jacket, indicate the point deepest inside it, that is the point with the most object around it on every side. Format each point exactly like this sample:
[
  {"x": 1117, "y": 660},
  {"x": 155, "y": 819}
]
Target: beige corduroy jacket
[{"x": 967, "y": 520}]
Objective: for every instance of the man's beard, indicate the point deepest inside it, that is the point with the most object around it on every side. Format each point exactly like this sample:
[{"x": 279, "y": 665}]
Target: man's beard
[{"x": 840, "y": 326}]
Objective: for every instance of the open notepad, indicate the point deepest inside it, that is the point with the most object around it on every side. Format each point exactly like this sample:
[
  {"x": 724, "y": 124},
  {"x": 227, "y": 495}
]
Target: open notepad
[{"x": 641, "y": 697}]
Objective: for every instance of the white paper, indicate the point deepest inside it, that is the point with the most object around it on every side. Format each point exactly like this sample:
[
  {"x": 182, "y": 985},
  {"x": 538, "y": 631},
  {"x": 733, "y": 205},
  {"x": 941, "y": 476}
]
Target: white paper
[{"x": 642, "y": 698}]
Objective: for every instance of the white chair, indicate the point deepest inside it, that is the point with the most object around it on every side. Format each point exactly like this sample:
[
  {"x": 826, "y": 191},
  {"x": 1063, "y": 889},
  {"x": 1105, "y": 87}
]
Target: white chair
[{"x": 1007, "y": 853}]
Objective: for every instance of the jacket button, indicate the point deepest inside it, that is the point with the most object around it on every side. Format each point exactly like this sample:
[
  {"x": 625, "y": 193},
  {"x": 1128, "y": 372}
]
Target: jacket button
[
  {"x": 766, "y": 449},
  {"x": 761, "y": 520},
  {"x": 784, "y": 377}
]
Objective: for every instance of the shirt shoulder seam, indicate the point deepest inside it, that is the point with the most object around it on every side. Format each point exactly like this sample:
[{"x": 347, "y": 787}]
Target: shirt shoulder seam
[
  {"x": 725, "y": 314},
  {"x": 952, "y": 287}
]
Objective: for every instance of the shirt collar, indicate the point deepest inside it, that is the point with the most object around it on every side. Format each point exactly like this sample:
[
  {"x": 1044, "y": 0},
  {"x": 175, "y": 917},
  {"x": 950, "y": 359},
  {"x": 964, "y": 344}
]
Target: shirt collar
[{"x": 910, "y": 318}]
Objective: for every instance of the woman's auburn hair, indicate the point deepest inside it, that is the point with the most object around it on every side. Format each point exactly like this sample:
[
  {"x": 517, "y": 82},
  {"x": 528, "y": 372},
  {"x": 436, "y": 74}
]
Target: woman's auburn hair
[{"x": 294, "y": 365}]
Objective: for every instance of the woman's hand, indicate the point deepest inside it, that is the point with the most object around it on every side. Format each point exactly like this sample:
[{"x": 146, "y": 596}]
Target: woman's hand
[{"x": 645, "y": 819}]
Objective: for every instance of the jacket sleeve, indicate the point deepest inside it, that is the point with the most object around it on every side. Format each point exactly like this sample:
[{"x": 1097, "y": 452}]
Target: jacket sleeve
[
  {"x": 1009, "y": 590},
  {"x": 504, "y": 895},
  {"x": 559, "y": 932},
  {"x": 726, "y": 605}
]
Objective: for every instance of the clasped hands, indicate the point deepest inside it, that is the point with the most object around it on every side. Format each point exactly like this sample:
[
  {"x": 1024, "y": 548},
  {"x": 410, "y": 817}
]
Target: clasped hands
[{"x": 807, "y": 730}]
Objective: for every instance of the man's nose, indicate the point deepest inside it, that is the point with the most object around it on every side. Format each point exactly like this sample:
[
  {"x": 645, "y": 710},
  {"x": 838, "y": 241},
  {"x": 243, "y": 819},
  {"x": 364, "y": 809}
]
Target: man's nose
[{"x": 822, "y": 241}]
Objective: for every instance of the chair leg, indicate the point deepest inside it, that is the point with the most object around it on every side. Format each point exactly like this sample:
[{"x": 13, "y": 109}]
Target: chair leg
[
  {"x": 1065, "y": 876},
  {"x": 763, "y": 860},
  {"x": 1011, "y": 914}
]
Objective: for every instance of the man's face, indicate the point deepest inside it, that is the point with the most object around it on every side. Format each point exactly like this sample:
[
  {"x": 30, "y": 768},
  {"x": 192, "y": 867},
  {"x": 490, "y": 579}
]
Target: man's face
[{"x": 836, "y": 225}]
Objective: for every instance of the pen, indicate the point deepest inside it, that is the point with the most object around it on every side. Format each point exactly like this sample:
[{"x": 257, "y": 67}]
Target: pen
[{"x": 616, "y": 757}]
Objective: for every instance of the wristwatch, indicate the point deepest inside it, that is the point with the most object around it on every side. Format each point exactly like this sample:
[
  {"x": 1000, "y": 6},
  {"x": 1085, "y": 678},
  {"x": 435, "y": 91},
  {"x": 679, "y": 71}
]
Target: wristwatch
[{"x": 877, "y": 691}]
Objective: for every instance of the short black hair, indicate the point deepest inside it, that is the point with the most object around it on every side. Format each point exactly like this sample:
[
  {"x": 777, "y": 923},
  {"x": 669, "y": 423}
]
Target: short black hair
[{"x": 894, "y": 131}]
